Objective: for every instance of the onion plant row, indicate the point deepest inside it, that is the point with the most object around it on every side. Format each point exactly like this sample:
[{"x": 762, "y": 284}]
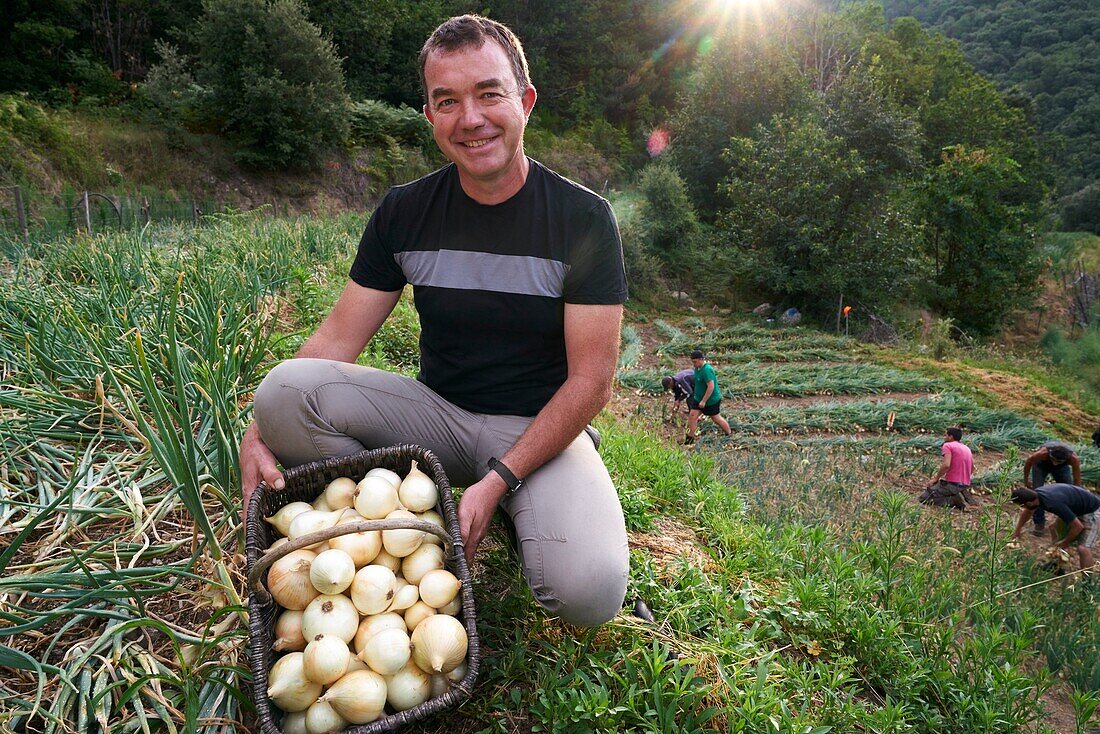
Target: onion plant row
[
  {"x": 128, "y": 360},
  {"x": 758, "y": 379}
]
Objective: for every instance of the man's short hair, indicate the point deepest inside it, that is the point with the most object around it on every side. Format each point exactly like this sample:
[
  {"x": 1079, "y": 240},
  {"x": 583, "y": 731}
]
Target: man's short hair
[
  {"x": 955, "y": 433},
  {"x": 466, "y": 31},
  {"x": 696, "y": 354},
  {"x": 1023, "y": 495},
  {"x": 1096, "y": 438},
  {"x": 1060, "y": 454},
  {"x": 666, "y": 382}
]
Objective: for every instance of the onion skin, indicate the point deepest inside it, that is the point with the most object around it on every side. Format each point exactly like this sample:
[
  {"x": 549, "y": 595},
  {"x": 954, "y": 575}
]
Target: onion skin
[
  {"x": 439, "y": 644},
  {"x": 289, "y": 688},
  {"x": 359, "y": 697},
  {"x": 288, "y": 580}
]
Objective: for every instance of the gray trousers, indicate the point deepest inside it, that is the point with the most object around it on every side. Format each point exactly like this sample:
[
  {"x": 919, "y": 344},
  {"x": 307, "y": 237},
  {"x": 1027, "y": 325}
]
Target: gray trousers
[{"x": 568, "y": 520}]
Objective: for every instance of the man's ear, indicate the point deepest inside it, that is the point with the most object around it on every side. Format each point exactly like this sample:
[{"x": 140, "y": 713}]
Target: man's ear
[
  {"x": 528, "y": 101},
  {"x": 428, "y": 114}
]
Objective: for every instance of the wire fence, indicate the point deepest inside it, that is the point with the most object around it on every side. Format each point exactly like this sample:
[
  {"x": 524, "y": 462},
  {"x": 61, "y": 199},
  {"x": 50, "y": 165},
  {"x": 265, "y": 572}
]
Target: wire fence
[{"x": 23, "y": 220}]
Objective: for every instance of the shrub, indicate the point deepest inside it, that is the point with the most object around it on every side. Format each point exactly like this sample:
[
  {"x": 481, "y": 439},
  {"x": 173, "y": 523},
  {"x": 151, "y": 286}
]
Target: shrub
[
  {"x": 1081, "y": 210},
  {"x": 571, "y": 156},
  {"x": 377, "y": 123},
  {"x": 275, "y": 83},
  {"x": 1081, "y": 356}
]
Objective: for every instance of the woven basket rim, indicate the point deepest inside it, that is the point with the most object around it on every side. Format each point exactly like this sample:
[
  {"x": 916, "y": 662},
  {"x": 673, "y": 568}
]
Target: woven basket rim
[{"x": 304, "y": 480}]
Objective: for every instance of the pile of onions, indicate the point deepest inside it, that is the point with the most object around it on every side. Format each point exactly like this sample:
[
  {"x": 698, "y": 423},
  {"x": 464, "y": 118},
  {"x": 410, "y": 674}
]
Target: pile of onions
[{"x": 368, "y": 624}]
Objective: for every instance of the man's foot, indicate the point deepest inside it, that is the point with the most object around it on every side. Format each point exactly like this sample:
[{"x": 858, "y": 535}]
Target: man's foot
[
  {"x": 689, "y": 439},
  {"x": 1039, "y": 530}
]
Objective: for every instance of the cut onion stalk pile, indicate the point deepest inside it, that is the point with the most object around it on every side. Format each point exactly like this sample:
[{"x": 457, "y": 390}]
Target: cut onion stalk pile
[{"x": 368, "y": 623}]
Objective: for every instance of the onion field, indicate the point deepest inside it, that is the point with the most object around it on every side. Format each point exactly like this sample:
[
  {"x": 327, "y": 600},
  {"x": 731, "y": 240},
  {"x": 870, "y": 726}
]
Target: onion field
[{"x": 795, "y": 584}]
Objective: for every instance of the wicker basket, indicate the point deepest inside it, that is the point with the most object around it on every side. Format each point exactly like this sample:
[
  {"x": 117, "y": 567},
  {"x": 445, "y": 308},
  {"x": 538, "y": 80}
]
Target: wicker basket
[{"x": 304, "y": 483}]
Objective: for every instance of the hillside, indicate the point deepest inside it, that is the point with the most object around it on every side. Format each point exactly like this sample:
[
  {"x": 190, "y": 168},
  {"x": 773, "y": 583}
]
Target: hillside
[
  {"x": 796, "y": 585},
  {"x": 1048, "y": 48}
]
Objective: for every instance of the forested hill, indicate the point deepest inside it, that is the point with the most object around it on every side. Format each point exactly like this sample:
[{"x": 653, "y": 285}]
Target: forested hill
[{"x": 1049, "y": 48}]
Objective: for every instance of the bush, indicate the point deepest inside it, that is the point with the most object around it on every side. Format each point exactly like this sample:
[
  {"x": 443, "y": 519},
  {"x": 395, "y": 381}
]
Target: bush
[
  {"x": 1081, "y": 210},
  {"x": 1080, "y": 356},
  {"x": 377, "y": 123},
  {"x": 275, "y": 83},
  {"x": 571, "y": 156}
]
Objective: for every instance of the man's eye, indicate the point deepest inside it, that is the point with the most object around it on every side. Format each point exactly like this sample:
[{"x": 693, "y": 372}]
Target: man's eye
[{"x": 444, "y": 103}]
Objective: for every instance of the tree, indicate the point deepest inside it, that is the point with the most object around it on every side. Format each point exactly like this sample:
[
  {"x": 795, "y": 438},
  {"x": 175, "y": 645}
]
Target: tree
[
  {"x": 816, "y": 220},
  {"x": 737, "y": 86},
  {"x": 670, "y": 228},
  {"x": 982, "y": 244},
  {"x": 274, "y": 83}
]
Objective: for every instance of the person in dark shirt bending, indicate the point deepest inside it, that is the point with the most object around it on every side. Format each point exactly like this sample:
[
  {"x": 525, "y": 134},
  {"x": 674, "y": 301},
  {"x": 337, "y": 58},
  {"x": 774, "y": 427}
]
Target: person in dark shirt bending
[{"x": 1075, "y": 507}]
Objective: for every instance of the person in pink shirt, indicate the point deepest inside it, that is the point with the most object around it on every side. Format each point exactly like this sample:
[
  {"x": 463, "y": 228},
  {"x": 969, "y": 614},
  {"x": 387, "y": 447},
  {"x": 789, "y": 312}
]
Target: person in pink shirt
[{"x": 951, "y": 484}]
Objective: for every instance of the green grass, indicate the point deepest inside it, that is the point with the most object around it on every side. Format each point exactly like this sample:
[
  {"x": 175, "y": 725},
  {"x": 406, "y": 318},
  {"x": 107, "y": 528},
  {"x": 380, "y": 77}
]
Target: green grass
[{"x": 791, "y": 380}]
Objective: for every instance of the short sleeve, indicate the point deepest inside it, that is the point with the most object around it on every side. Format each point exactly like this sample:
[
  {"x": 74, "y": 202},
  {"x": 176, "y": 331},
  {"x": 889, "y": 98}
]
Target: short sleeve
[
  {"x": 597, "y": 275},
  {"x": 944, "y": 450},
  {"x": 374, "y": 265}
]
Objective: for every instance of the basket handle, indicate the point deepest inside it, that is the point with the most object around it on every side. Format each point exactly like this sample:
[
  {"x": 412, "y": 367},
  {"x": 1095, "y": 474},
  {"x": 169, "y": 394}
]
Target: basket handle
[{"x": 255, "y": 578}]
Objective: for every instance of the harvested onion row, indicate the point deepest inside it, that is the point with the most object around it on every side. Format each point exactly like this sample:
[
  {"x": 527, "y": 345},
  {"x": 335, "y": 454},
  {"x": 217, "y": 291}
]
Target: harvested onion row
[{"x": 369, "y": 616}]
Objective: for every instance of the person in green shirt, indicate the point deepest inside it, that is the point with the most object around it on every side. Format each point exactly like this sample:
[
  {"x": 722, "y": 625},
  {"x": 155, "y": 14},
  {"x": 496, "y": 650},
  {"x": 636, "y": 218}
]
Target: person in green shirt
[{"x": 707, "y": 399}]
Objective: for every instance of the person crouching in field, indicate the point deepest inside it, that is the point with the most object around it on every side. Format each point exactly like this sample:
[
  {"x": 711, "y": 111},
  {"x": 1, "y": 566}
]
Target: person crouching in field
[
  {"x": 1056, "y": 460},
  {"x": 682, "y": 386},
  {"x": 951, "y": 484},
  {"x": 1076, "y": 507}
]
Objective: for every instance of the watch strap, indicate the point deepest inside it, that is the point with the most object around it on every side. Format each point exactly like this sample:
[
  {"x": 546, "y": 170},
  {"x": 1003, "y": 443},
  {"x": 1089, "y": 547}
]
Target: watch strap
[{"x": 510, "y": 480}]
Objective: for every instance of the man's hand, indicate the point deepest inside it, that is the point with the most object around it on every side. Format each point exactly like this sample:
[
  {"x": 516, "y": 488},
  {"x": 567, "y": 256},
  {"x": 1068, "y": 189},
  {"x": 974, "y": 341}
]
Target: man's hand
[
  {"x": 257, "y": 462},
  {"x": 1027, "y": 483},
  {"x": 475, "y": 511}
]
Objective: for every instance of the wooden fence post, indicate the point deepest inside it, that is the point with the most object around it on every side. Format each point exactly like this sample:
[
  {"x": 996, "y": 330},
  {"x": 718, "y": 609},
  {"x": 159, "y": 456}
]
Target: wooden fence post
[
  {"x": 21, "y": 214},
  {"x": 87, "y": 213}
]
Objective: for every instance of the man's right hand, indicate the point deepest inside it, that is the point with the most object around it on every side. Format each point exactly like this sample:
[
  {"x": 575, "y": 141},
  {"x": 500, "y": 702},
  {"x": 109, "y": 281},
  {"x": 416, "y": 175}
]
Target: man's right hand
[{"x": 257, "y": 463}]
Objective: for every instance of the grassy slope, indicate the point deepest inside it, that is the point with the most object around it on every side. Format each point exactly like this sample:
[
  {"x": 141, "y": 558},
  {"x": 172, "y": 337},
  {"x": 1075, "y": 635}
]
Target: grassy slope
[{"x": 796, "y": 585}]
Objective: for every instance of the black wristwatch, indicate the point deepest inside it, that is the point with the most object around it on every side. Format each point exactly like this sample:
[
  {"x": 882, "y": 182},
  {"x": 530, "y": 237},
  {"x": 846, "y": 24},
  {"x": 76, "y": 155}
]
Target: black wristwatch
[{"x": 506, "y": 474}]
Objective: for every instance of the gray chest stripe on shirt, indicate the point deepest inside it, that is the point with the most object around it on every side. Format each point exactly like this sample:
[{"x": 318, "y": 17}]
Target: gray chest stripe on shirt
[{"x": 482, "y": 271}]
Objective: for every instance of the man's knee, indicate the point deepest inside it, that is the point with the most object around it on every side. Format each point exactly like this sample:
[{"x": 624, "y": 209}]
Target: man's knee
[{"x": 586, "y": 597}]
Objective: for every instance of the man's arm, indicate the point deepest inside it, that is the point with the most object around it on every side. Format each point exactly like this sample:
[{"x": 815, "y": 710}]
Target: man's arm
[
  {"x": 1075, "y": 464},
  {"x": 1025, "y": 516},
  {"x": 592, "y": 349},
  {"x": 1027, "y": 467},
  {"x": 945, "y": 466},
  {"x": 706, "y": 394},
  {"x": 354, "y": 319},
  {"x": 1073, "y": 529}
]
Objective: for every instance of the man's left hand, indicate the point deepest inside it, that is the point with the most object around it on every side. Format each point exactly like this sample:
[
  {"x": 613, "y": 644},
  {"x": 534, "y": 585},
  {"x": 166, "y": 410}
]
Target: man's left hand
[{"x": 475, "y": 511}]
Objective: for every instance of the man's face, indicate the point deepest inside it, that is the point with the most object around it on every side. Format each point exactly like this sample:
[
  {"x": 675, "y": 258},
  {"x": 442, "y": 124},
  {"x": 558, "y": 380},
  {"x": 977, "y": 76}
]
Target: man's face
[
  {"x": 697, "y": 362},
  {"x": 1032, "y": 504},
  {"x": 478, "y": 114}
]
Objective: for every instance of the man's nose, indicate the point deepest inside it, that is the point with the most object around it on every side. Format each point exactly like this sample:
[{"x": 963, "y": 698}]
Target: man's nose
[{"x": 472, "y": 116}]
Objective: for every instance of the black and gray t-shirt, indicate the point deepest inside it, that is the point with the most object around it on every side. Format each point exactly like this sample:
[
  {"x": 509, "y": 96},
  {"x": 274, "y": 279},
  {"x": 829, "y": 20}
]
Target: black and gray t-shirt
[
  {"x": 490, "y": 283},
  {"x": 1067, "y": 501}
]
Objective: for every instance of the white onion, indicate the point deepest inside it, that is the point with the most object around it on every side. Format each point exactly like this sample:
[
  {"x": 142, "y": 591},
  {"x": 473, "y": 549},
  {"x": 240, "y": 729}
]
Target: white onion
[
  {"x": 359, "y": 697},
  {"x": 281, "y": 519},
  {"x": 330, "y": 614},
  {"x": 452, "y": 607},
  {"x": 400, "y": 543},
  {"x": 322, "y": 504},
  {"x": 322, "y": 718},
  {"x": 405, "y": 596},
  {"x": 374, "y": 624},
  {"x": 326, "y": 659},
  {"x": 408, "y": 687},
  {"x": 288, "y": 632},
  {"x": 332, "y": 571},
  {"x": 439, "y": 644},
  {"x": 390, "y": 476},
  {"x": 340, "y": 492},
  {"x": 373, "y": 588},
  {"x": 433, "y": 517},
  {"x": 288, "y": 580},
  {"x": 288, "y": 687},
  {"x": 418, "y": 492},
  {"x": 362, "y": 547},
  {"x": 420, "y": 561},
  {"x": 375, "y": 498},
  {"x": 387, "y": 652},
  {"x": 458, "y": 673},
  {"x": 438, "y": 588},
  {"x": 311, "y": 522},
  {"x": 385, "y": 559},
  {"x": 416, "y": 614},
  {"x": 295, "y": 723},
  {"x": 439, "y": 684}
]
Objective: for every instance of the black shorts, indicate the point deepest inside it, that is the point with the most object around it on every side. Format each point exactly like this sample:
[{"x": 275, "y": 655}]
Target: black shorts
[{"x": 708, "y": 410}]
